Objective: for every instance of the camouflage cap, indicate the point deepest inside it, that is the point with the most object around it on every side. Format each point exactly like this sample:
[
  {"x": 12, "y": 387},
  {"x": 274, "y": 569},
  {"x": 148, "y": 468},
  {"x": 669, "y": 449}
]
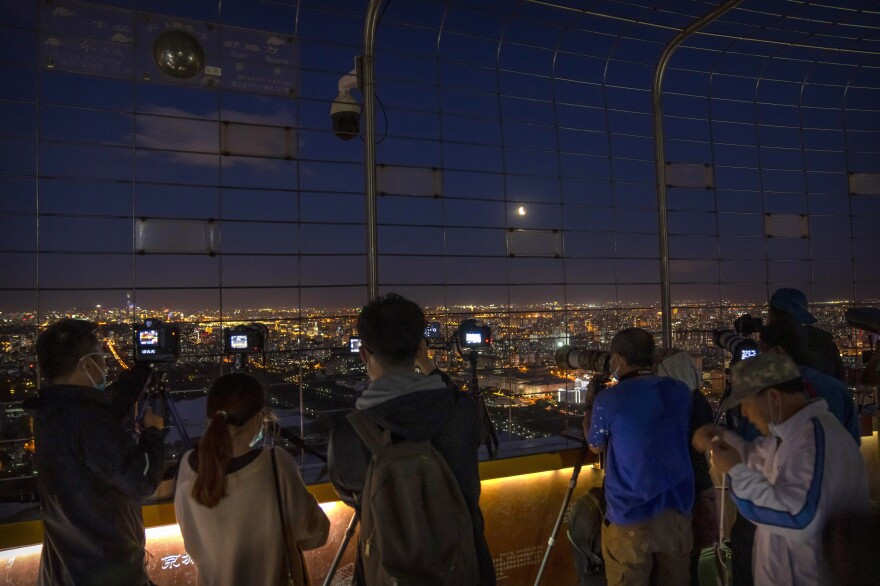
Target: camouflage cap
[{"x": 753, "y": 375}]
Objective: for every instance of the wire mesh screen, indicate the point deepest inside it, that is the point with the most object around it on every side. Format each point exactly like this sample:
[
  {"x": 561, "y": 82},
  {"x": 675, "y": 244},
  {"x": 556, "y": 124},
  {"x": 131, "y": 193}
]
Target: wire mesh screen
[{"x": 516, "y": 178}]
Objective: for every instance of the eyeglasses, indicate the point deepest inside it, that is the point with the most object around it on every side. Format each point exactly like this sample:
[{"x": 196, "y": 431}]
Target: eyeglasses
[{"x": 105, "y": 355}]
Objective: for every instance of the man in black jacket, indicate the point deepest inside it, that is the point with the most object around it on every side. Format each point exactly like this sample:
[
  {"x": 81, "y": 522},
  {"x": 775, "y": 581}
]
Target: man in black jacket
[
  {"x": 413, "y": 406},
  {"x": 93, "y": 474},
  {"x": 791, "y": 305}
]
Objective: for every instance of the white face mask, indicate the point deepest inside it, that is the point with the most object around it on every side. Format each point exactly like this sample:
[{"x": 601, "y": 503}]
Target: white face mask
[
  {"x": 771, "y": 426},
  {"x": 614, "y": 369},
  {"x": 98, "y": 385}
]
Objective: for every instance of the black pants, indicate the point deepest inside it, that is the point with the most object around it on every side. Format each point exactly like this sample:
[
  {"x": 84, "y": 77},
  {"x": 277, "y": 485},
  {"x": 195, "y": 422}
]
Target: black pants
[{"x": 742, "y": 537}]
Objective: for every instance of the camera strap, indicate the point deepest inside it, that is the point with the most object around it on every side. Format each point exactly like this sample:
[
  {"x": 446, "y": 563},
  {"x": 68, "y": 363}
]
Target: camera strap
[{"x": 290, "y": 581}]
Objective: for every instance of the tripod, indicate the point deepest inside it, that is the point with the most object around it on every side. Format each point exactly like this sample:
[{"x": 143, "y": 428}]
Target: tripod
[
  {"x": 491, "y": 440},
  {"x": 158, "y": 396}
]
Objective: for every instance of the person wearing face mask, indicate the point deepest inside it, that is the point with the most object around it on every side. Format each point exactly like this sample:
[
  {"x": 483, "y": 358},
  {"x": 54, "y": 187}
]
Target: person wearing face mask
[
  {"x": 804, "y": 470},
  {"x": 93, "y": 472},
  {"x": 642, "y": 424},
  {"x": 225, "y": 502}
]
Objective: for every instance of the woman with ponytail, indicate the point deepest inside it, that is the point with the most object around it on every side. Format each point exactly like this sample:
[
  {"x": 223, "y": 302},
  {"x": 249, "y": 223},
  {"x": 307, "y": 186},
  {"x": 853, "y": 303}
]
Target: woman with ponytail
[{"x": 226, "y": 501}]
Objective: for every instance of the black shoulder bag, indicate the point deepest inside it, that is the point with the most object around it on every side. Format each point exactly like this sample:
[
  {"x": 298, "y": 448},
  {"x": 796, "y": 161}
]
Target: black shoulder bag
[{"x": 290, "y": 581}]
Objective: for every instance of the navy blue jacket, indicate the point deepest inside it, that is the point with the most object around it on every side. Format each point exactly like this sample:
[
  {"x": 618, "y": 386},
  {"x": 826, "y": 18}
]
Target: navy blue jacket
[{"x": 93, "y": 476}]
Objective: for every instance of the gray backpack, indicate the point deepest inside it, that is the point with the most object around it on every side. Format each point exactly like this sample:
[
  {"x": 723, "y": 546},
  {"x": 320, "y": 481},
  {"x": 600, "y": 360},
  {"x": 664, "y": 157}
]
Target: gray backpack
[{"x": 415, "y": 524}]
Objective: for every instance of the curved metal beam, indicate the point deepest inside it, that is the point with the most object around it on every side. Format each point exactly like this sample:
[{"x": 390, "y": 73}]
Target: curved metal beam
[
  {"x": 660, "y": 158},
  {"x": 367, "y": 80}
]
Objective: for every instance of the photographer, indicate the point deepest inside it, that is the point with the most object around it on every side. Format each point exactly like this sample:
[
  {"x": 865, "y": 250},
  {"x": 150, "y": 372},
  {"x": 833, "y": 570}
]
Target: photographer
[
  {"x": 93, "y": 474},
  {"x": 786, "y": 337},
  {"x": 221, "y": 495},
  {"x": 409, "y": 407},
  {"x": 681, "y": 366},
  {"x": 642, "y": 423},
  {"x": 789, "y": 482},
  {"x": 791, "y": 305}
]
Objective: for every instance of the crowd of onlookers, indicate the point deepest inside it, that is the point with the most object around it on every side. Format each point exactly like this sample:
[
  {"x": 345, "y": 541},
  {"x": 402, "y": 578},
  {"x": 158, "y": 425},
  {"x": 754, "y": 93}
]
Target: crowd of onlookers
[{"x": 788, "y": 453}]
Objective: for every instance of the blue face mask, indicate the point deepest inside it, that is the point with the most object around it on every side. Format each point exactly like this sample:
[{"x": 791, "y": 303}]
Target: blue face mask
[
  {"x": 265, "y": 437},
  {"x": 98, "y": 385},
  {"x": 258, "y": 437}
]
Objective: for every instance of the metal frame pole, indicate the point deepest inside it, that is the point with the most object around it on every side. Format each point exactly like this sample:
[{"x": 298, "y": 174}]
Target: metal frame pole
[
  {"x": 367, "y": 79},
  {"x": 660, "y": 158}
]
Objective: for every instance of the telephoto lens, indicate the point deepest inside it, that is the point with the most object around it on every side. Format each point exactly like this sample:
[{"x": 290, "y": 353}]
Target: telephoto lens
[{"x": 572, "y": 357}]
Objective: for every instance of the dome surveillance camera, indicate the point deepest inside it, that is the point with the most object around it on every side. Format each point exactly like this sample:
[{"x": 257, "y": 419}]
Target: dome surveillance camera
[{"x": 345, "y": 112}]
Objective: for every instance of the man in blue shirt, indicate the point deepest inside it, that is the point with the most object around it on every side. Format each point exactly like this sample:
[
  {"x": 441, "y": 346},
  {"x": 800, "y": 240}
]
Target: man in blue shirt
[{"x": 642, "y": 425}]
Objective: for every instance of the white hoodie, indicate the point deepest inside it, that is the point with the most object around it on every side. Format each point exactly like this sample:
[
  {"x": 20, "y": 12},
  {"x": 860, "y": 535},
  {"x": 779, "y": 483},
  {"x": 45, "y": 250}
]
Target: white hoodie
[{"x": 791, "y": 486}]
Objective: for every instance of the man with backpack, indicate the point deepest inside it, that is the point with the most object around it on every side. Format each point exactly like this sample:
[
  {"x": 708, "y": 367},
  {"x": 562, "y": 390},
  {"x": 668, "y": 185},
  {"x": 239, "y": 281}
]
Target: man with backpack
[{"x": 406, "y": 460}]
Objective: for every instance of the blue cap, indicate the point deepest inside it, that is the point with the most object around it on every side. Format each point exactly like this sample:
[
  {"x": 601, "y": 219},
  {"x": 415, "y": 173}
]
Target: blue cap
[{"x": 794, "y": 303}]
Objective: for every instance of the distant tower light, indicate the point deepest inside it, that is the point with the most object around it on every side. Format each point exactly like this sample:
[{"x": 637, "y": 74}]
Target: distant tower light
[{"x": 178, "y": 54}]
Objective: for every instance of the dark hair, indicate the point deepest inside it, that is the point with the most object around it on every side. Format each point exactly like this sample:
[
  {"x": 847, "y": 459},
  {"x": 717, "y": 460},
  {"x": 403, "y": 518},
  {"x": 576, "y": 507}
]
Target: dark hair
[
  {"x": 61, "y": 345},
  {"x": 635, "y": 345},
  {"x": 791, "y": 337},
  {"x": 392, "y": 328},
  {"x": 233, "y": 399}
]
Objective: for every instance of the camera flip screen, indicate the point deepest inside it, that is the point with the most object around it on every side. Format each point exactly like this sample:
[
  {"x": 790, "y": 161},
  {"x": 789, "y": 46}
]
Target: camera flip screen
[
  {"x": 238, "y": 342},
  {"x": 354, "y": 344},
  {"x": 148, "y": 337},
  {"x": 155, "y": 341},
  {"x": 473, "y": 338},
  {"x": 747, "y": 353}
]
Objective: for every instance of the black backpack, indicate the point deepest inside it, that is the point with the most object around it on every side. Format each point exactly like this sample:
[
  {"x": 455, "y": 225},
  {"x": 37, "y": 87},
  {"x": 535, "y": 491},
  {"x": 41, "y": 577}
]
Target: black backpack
[
  {"x": 585, "y": 521},
  {"x": 415, "y": 524}
]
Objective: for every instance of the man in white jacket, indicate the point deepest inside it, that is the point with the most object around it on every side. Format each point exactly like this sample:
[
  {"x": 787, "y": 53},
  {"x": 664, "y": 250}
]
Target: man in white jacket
[{"x": 792, "y": 480}]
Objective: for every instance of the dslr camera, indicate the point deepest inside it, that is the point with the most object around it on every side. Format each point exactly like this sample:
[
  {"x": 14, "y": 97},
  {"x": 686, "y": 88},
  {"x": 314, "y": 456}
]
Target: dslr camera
[
  {"x": 572, "y": 357},
  {"x": 156, "y": 342},
  {"x": 746, "y": 325},
  {"x": 474, "y": 334},
  {"x": 245, "y": 339},
  {"x": 740, "y": 347}
]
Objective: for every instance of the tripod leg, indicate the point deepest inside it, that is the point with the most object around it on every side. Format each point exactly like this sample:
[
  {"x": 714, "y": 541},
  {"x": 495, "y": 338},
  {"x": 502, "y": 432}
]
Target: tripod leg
[
  {"x": 571, "y": 484},
  {"x": 349, "y": 533}
]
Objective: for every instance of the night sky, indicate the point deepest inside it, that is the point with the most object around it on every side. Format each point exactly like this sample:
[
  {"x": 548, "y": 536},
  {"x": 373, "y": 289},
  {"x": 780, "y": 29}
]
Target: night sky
[{"x": 516, "y": 145}]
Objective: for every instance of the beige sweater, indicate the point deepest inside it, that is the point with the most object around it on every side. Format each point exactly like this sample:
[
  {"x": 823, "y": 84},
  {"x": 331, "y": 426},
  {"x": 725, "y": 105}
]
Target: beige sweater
[{"x": 239, "y": 541}]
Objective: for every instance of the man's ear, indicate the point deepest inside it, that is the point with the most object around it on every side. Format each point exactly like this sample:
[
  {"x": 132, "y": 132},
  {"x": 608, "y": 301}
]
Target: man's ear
[{"x": 364, "y": 354}]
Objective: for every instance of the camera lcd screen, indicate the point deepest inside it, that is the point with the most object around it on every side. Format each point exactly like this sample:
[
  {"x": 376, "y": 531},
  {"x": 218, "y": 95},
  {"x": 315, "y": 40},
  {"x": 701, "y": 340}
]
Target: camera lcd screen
[
  {"x": 747, "y": 353},
  {"x": 473, "y": 338},
  {"x": 238, "y": 341},
  {"x": 148, "y": 337},
  {"x": 354, "y": 344},
  {"x": 433, "y": 330}
]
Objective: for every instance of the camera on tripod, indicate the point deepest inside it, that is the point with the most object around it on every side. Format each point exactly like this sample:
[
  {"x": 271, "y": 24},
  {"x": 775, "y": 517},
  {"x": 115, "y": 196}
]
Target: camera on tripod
[
  {"x": 245, "y": 339},
  {"x": 474, "y": 334},
  {"x": 156, "y": 342},
  {"x": 740, "y": 347},
  {"x": 572, "y": 357}
]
